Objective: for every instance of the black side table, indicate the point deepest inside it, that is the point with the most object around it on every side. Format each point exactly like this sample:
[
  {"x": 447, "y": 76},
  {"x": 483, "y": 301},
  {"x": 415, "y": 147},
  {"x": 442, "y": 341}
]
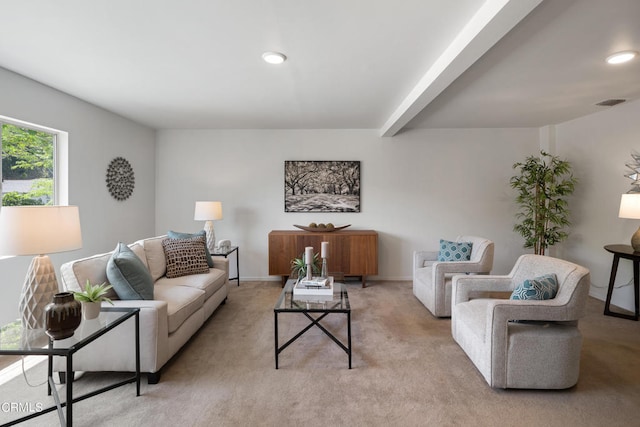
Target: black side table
[
  {"x": 626, "y": 252},
  {"x": 225, "y": 253}
]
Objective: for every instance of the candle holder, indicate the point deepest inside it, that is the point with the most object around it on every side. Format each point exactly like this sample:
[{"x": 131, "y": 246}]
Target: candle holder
[
  {"x": 309, "y": 272},
  {"x": 323, "y": 273}
]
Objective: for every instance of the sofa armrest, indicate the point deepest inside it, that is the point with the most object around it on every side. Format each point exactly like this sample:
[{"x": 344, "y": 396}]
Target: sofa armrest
[
  {"x": 154, "y": 331},
  {"x": 115, "y": 351},
  {"x": 464, "y": 287},
  {"x": 221, "y": 264},
  {"x": 419, "y": 257}
]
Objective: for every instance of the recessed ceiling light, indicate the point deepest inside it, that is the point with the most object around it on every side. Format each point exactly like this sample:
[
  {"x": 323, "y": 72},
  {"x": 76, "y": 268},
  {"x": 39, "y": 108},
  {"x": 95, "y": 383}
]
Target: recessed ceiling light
[
  {"x": 274, "y": 57},
  {"x": 621, "y": 57}
]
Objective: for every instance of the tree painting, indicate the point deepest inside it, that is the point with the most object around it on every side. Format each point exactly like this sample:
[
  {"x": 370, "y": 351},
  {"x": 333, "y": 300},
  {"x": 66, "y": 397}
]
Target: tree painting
[{"x": 322, "y": 186}]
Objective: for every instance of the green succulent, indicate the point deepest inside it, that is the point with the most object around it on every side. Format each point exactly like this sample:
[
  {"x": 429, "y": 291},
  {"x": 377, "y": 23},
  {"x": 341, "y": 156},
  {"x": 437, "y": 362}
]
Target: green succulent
[
  {"x": 299, "y": 268},
  {"x": 93, "y": 293}
]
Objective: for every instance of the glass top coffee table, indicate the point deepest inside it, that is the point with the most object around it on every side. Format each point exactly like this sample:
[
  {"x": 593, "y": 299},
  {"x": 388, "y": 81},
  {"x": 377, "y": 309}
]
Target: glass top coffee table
[
  {"x": 26, "y": 342},
  {"x": 308, "y": 304}
]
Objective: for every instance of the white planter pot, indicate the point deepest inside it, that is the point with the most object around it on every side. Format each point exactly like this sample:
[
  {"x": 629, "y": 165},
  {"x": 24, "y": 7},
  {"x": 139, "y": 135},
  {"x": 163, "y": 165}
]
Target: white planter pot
[{"x": 90, "y": 310}]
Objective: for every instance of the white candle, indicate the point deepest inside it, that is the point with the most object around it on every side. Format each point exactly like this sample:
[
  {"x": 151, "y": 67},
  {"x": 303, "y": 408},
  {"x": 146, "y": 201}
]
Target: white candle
[
  {"x": 324, "y": 253},
  {"x": 308, "y": 255}
]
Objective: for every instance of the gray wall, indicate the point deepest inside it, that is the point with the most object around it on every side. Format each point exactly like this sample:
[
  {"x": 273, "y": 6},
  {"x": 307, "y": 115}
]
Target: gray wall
[
  {"x": 96, "y": 136},
  {"x": 599, "y": 146},
  {"x": 418, "y": 187}
]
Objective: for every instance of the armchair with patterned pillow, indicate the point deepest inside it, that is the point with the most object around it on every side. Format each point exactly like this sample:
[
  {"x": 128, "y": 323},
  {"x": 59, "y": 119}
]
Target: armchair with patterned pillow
[
  {"x": 433, "y": 270},
  {"x": 530, "y": 340}
]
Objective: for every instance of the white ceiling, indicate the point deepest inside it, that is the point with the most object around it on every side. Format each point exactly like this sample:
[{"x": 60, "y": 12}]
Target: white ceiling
[{"x": 355, "y": 64}]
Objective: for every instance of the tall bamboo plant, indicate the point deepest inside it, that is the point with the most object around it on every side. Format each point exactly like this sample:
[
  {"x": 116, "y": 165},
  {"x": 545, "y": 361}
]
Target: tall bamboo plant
[{"x": 543, "y": 184}]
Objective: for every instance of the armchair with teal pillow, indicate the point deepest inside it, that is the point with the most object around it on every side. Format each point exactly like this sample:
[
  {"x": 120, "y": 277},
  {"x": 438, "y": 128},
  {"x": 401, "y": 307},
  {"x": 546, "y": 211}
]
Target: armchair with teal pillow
[
  {"x": 433, "y": 270},
  {"x": 532, "y": 342}
]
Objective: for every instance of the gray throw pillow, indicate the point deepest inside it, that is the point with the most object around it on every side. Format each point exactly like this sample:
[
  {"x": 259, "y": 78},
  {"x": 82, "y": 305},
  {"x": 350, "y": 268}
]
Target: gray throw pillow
[
  {"x": 177, "y": 235},
  {"x": 127, "y": 274}
]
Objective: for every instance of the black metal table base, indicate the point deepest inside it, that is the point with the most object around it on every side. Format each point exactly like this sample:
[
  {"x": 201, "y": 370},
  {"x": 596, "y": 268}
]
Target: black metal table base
[
  {"x": 315, "y": 322},
  {"x": 70, "y": 400}
]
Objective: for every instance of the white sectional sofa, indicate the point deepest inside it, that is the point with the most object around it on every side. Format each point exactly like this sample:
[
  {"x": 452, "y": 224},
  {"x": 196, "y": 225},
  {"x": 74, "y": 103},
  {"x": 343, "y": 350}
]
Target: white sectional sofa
[{"x": 179, "y": 308}]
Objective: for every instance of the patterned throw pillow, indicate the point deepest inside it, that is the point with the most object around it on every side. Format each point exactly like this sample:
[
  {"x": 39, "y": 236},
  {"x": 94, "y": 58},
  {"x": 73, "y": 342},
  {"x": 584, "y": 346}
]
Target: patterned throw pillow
[
  {"x": 539, "y": 288},
  {"x": 178, "y": 235},
  {"x": 185, "y": 256},
  {"x": 454, "y": 251}
]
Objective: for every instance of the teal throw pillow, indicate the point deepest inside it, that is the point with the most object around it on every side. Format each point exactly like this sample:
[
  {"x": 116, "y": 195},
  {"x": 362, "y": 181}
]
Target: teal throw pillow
[
  {"x": 538, "y": 288},
  {"x": 454, "y": 251},
  {"x": 127, "y": 274},
  {"x": 177, "y": 235}
]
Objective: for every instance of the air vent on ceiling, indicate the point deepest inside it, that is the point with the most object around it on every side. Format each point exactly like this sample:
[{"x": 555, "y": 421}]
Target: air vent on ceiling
[{"x": 610, "y": 102}]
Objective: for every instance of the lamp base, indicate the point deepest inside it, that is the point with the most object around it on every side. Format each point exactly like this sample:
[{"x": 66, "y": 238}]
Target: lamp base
[
  {"x": 635, "y": 240},
  {"x": 38, "y": 290},
  {"x": 211, "y": 235}
]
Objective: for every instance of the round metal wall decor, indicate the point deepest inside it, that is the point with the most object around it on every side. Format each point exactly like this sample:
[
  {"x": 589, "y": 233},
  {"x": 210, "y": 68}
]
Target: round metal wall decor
[{"x": 120, "y": 179}]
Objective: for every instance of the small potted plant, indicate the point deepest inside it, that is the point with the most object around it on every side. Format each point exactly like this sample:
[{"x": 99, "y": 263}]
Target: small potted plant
[
  {"x": 299, "y": 268},
  {"x": 91, "y": 299}
]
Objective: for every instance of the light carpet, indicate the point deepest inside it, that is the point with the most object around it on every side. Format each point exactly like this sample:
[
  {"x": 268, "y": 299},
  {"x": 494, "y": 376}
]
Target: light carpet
[{"x": 407, "y": 371}]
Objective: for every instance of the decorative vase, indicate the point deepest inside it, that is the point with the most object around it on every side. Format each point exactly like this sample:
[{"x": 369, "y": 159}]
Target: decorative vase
[
  {"x": 62, "y": 316},
  {"x": 90, "y": 310}
]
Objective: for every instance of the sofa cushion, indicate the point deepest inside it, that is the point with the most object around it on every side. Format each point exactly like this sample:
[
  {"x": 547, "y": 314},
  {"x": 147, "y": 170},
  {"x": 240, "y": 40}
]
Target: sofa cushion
[
  {"x": 177, "y": 235},
  {"x": 138, "y": 249},
  {"x": 75, "y": 273},
  {"x": 128, "y": 275},
  {"x": 185, "y": 256},
  {"x": 154, "y": 253},
  {"x": 538, "y": 288},
  {"x": 209, "y": 283},
  {"x": 454, "y": 251},
  {"x": 182, "y": 302}
]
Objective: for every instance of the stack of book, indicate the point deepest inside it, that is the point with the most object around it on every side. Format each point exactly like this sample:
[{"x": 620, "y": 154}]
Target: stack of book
[{"x": 315, "y": 286}]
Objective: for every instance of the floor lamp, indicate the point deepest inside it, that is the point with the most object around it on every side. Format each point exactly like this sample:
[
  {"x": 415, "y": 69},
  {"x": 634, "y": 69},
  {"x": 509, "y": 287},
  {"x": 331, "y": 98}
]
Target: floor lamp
[
  {"x": 208, "y": 211},
  {"x": 38, "y": 230}
]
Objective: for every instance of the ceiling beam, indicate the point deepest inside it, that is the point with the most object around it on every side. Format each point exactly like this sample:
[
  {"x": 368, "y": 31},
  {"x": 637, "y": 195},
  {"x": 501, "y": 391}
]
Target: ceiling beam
[{"x": 492, "y": 21}]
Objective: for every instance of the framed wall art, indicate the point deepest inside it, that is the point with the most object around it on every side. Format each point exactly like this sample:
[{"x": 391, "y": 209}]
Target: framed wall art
[{"x": 321, "y": 186}]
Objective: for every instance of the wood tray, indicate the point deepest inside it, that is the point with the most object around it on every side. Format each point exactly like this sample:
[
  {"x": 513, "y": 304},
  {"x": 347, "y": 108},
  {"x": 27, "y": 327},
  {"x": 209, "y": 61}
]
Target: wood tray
[{"x": 321, "y": 230}]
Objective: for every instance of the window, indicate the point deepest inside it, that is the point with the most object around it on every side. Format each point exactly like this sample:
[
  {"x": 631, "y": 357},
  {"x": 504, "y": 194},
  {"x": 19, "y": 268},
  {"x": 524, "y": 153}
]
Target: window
[{"x": 28, "y": 164}]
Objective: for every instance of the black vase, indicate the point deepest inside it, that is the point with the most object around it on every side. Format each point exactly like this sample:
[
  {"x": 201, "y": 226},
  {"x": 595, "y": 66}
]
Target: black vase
[{"x": 62, "y": 316}]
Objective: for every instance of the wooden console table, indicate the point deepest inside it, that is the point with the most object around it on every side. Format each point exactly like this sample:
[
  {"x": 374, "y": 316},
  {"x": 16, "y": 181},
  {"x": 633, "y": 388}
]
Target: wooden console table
[{"x": 351, "y": 252}]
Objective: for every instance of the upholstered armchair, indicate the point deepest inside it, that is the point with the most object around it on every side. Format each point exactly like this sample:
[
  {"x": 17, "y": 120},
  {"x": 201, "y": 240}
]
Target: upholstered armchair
[
  {"x": 432, "y": 278},
  {"x": 533, "y": 344}
]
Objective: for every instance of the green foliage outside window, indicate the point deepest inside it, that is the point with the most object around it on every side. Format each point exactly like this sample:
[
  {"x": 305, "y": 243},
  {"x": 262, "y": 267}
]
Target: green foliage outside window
[{"x": 28, "y": 154}]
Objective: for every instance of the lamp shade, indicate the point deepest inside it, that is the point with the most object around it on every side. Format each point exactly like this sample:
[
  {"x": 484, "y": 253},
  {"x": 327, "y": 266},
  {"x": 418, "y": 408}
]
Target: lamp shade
[
  {"x": 630, "y": 206},
  {"x": 38, "y": 230},
  {"x": 208, "y": 211}
]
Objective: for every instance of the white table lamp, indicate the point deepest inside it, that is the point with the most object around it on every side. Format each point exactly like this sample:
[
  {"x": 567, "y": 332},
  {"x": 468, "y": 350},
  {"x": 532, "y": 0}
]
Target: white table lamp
[
  {"x": 208, "y": 211},
  {"x": 630, "y": 208},
  {"x": 38, "y": 230}
]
